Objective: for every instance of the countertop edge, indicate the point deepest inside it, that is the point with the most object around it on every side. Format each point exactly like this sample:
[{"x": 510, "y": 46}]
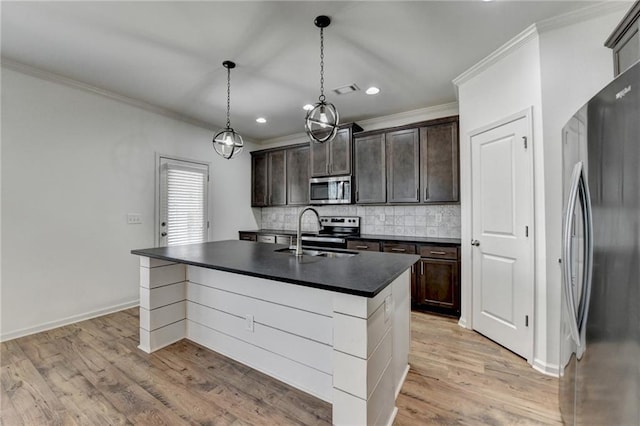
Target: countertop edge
[{"x": 368, "y": 294}]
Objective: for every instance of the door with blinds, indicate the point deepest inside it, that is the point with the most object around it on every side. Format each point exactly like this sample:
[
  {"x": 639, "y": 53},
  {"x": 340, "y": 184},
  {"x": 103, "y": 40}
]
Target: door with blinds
[{"x": 182, "y": 202}]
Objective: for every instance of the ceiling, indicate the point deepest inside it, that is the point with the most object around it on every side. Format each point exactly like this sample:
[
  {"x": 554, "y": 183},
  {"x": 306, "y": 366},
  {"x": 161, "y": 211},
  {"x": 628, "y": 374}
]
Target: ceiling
[{"x": 170, "y": 54}]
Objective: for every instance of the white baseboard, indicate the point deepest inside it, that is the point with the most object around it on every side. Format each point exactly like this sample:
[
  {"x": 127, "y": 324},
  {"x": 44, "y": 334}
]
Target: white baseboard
[
  {"x": 546, "y": 368},
  {"x": 401, "y": 382},
  {"x": 66, "y": 321},
  {"x": 462, "y": 322}
]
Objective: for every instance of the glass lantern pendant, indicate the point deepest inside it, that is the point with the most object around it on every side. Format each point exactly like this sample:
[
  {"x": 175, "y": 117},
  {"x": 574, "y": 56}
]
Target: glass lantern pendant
[
  {"x": 227, "y": 143},
  {"x": 321, "y": 123}
]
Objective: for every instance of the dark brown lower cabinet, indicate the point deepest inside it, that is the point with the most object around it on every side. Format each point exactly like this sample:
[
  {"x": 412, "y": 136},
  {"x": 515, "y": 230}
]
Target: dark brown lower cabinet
[
  {"x": 248, "y": 236},
  {"x": 436, "y": 286}
]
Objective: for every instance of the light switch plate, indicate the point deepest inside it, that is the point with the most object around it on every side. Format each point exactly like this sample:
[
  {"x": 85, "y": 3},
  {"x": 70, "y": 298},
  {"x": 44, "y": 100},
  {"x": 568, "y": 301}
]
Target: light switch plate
[{"x": 134, "y": 218}]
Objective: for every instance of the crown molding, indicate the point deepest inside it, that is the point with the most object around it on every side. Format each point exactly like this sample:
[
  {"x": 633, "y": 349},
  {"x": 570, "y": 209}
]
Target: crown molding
[
  {"x": 560, "y": 21},
  {"x": 503, "y": 51},
  {"x": 408, "y": 117},
  {"x": 66, "y": 81},
  {"x": 582, "y": 14},
  {"x": 392, "y": 120}
]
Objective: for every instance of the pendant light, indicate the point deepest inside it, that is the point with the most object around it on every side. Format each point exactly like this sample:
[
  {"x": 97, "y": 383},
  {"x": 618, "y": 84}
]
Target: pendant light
[
  {"x": 321, "y": 122},
  {"x": 227, "y": 142}
]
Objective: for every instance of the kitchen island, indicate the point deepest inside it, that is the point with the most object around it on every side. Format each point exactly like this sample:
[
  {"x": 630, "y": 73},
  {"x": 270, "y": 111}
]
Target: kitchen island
[{"x": 335, "y": 327}]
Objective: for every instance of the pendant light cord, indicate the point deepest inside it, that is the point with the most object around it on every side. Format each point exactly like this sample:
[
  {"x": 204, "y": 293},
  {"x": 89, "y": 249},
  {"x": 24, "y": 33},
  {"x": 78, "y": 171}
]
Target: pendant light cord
[
  {"x": 228, "y": 97},
  {"x": 321, "y": 98}
]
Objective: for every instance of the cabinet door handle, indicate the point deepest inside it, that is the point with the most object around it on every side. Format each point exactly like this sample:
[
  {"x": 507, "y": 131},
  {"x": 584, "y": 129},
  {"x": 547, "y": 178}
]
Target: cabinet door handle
[
  {"x": 426, "y": 193},
  {"x": 421, "y": 268},
  {"x": 438, "y": 252},
  {"x": 326, "y": 168},
  {"x": 362, "y": 247},
  {"x": 401, "y": 250}
]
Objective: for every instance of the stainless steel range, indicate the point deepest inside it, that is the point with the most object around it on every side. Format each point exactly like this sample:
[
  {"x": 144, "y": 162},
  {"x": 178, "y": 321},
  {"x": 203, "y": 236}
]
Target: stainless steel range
[{"x": 334, "y": 232}]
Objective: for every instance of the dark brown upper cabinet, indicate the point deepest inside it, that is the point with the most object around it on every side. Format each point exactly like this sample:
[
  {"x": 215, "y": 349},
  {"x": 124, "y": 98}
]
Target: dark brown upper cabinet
[
  {"x": 625, "y": 40},
  {"x": 259, "y": 178},
  {"x": 403, "y": 165},
  {"x": 416, "y": 163},
  {"x": 277, "y": 178},
  {"x": 268, "y": 178},
  {"x": 370, "y": 175},
  {"x": 439, "y": 163},
  {"x": 280, "y": 176},
  {"x": 334, "y": 158},
  {"x": 298, "y": 175}
]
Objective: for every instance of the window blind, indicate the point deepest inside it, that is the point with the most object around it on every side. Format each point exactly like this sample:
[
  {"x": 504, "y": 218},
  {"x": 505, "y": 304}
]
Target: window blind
[{"x": 183, "y": 203}]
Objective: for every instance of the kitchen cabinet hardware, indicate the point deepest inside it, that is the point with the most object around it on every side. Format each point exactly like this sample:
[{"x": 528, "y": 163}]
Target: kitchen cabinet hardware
[
  {"x": 438, "y": 252},
  {"x": 421, "y": 268},
  {"x": 362, "y": 247},
  {"x": 400, "y": 250},
  {"x": 163, "y": 234},
  {"x": 475, "y": 243}
]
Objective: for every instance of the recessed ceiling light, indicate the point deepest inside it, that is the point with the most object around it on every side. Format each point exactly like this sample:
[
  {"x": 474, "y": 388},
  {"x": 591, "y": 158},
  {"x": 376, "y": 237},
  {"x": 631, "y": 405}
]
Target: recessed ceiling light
[
  {"x": 372, "y": 91},
  {"x": 261, "y": 120},
  {"x": 307, "y": 107}
]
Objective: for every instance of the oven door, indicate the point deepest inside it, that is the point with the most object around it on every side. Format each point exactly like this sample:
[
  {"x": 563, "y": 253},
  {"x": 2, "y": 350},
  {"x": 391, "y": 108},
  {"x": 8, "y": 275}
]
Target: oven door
[{"x": 331, "y": 190}]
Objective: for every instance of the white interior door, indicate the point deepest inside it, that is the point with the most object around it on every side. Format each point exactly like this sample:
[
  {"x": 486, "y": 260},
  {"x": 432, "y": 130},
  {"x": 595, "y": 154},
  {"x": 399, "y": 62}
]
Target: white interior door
[{"x": 502, "y": 215}]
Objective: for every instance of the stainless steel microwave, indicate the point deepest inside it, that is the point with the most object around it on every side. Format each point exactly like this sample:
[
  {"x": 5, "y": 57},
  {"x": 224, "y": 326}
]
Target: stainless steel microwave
[{"x": 330, "y": 190}]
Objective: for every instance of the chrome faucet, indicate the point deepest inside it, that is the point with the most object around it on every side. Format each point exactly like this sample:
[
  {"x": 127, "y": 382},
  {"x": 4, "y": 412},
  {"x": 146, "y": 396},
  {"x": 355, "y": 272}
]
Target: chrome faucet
[{"x": 299, "y": 230}]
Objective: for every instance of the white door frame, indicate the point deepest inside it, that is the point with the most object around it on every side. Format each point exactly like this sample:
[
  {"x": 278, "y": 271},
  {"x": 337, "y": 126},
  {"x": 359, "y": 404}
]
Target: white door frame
[
  {"x": 466, "y": 319},
  {"x": 156, "y": 195}
]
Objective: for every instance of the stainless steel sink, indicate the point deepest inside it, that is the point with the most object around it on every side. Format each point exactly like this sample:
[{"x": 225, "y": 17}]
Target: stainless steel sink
[{"x": 322, "y": 253}]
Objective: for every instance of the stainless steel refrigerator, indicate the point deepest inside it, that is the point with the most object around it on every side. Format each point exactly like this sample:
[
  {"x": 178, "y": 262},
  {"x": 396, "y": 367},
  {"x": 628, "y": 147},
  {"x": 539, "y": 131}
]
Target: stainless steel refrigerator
[{"x": 600, "y": 336}]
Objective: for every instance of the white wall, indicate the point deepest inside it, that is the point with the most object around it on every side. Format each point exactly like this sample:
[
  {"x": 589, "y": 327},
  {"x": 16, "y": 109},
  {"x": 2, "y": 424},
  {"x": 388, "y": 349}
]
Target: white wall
[
  {"x": 503, "y": 88},
  {"x": 74, "y": 163},
  {"x": 575, "y": 65}
]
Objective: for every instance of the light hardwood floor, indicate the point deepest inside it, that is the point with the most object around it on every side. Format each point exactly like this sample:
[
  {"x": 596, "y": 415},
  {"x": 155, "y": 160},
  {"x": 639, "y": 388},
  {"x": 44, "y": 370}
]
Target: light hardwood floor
[{"x": 91, "y": 373}]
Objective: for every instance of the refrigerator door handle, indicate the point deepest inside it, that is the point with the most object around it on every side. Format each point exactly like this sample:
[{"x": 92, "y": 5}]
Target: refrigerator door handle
[
  {"x": 588, "y": 261},
  {"x": 567, "y": 244}
]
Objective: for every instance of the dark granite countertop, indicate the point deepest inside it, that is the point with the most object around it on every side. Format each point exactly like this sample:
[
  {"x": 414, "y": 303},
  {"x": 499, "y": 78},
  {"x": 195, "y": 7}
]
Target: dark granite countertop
[
  {"x": 373, "y": 237},
  {"x": 365, "y": 274}
]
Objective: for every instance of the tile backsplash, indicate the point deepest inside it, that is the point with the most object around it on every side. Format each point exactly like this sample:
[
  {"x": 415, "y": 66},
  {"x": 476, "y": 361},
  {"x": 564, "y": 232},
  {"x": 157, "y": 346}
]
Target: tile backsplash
[{"x": 441, "y": 221}]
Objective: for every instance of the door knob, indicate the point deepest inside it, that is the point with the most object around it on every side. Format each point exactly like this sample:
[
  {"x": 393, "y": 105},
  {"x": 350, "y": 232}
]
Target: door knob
[
  {"x": 164, "y": 234},
  {"x": 475, "y": 243}
]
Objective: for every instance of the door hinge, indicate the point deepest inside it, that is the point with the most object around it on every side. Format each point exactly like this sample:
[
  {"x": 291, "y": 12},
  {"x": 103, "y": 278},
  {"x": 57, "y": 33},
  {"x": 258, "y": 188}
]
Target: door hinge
[
  {"x": 526, "y": 231},
  {"x": 524, "y": 139},
  {"x": 526, "y": 320}
]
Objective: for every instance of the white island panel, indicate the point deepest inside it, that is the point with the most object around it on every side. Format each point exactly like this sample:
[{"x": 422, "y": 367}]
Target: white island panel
[{"x": 351, "y": 351}]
